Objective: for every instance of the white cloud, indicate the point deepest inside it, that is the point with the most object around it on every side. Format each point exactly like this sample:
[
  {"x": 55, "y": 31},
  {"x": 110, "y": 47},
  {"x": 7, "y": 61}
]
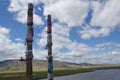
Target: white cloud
[
  {"x": 15, "y": 50},
  {"x": 60, "y": 35},
  {"x": 19, "y": 40},
  {"x": 78, "y": 53},
  {"x": 37, "y": 19},
  {"x": 111, "y": 57},
  {"x": 21, "y": 17},
  {"x": 106, "y": 16},
  {"x": 106, "y": 44},
  {"x": 115, "y": 52},
  {"x": 9, "y": 49},
  {"x": 19, "y": 8},
  {"x": 87, "y": 32},
  {"x": 71, "y": 12},
  {"x": 40, "y": 54}
]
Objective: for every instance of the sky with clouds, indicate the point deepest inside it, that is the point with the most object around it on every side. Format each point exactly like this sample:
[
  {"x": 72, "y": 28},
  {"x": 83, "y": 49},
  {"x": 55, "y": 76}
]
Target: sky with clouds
[{"x": 83, "y": 30}]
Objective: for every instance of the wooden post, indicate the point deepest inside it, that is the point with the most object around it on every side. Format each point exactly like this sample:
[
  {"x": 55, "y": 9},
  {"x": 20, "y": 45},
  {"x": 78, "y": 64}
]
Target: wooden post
[
  {"x": 49, "y": 47},
  {"x": 29, "y": 40}
]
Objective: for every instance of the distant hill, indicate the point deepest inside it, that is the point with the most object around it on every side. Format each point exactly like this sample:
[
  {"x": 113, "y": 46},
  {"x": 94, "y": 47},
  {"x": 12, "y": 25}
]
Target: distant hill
[
  {"x": 16, "y": 65},
  {"x": 39, "y": 65}
]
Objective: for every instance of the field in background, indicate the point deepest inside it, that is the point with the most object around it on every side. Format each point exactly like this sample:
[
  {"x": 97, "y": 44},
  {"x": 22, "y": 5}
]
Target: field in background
[
  {"x": 43, "y": 74},
  {"x": 40, "y": 74},
  {"x": 15, "y": 70}
]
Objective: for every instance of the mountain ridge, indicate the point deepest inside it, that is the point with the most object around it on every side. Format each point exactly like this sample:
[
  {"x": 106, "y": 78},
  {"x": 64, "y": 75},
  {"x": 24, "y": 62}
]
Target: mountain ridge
[{"x": 16, "y": 65}]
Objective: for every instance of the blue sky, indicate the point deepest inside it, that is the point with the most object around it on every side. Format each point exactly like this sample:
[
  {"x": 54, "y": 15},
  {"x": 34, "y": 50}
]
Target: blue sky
[{"x": 83, "y": 30}]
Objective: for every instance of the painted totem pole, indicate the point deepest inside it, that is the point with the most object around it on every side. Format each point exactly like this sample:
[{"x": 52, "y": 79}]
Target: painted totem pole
[
  {"x": 29, "y": 40},
  {"x": 49, "y": 47}
]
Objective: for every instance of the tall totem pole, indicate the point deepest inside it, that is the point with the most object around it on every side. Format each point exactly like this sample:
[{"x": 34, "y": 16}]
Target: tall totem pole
[
  {"x": 49, "y": 47},
  {"x": 29, "y": 40}
]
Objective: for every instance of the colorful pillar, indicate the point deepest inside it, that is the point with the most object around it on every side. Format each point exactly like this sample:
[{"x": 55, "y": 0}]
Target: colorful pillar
[
  {"x": 29, "y": 40},
  {"x": 49, "y": 47}
]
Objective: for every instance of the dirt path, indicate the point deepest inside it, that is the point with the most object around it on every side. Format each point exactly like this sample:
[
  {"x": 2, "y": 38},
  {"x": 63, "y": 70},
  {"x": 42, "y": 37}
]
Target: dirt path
[{"x": 113, "y": 74}]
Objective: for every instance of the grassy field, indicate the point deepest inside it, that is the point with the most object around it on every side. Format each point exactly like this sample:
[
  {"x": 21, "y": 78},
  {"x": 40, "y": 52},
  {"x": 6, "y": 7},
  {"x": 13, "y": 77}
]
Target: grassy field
[
  {"x": 57, "y": 72},
  {"x": 8, "y": 69},
  {"x": 39, "y": 74}
]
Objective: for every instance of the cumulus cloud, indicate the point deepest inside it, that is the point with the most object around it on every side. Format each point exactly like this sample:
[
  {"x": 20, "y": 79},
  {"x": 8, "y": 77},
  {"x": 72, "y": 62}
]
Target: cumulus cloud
[
  {"x": 83, "y": 54},
  {"x": 70, "y": 12},
  {"x": 15, "y": 50},
  {"x": 9, "y": 49},
  {"x": 19, "y": 8},
  {"x": 19, "y": 40},
  {"x": 105, "y": 19},
  {"x": 77, "y": 52},
  {"x": 111, "y": 57},
  {"x": 108, "y": 15},
  {"x": 60, "y": 34},
  {"x": 87, "y": 32},
  {"x": 104, "y": 14}
]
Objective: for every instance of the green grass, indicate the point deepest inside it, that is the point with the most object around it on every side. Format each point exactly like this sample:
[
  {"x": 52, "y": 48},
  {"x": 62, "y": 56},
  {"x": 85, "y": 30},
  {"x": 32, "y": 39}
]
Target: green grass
[
  {"x": 12, "y": 76},
  {"x": 43, "y": 74},
  {"x": 40, "y": 74}
]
